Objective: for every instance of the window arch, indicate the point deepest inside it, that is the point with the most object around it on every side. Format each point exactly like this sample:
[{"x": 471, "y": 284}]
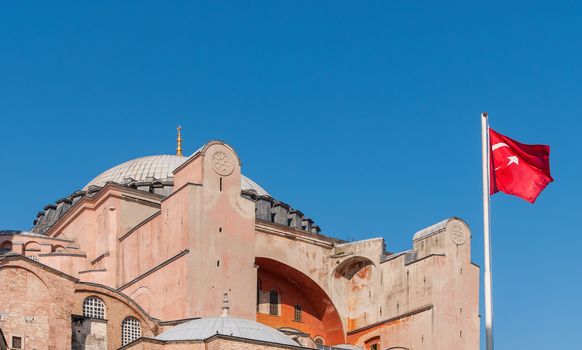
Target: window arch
[
  {"x": 373, "y": 343},
  {"x": 94, "y": 307},
  {"x": 58, "y": 249},
  {"x": 130, "y": 330},
  {"x": 319, "y": 341},
  {"x": 274, "y": 302}
]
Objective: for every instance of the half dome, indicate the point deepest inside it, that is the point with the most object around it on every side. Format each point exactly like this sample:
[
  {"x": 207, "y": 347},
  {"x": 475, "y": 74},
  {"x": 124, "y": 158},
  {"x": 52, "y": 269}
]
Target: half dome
[
  {"x": 204, "y": 328},
  {"x": 160, "y": 167}
]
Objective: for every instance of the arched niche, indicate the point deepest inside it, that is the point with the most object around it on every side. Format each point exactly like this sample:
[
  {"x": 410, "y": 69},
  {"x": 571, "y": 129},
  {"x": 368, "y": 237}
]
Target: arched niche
[
  {"x": 58, "y": 249},
  {"x": 143, "y": 297},
  {"x": 5, "y": 246},
  {"x": 352, "y": 281},
  {"x": 32, "y": 249}
]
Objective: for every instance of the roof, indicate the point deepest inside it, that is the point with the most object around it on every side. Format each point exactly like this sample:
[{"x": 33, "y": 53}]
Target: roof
[
  {"x": 158, "y": 167},
  {"x": 347, "y": 347},
  {"x": 436, "y": 228},
  {"x": 204, "y": 328}
]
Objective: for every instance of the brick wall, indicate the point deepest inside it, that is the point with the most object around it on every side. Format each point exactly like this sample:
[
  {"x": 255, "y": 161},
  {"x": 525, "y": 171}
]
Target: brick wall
[
  {"x": 117, "y": 309},
  {"x": 36, "y": 304}
]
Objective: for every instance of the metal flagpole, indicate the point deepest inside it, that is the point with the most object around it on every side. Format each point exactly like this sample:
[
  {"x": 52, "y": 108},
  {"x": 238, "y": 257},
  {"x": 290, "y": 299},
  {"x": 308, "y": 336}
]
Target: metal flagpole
[{"x": 486, "y": 232}]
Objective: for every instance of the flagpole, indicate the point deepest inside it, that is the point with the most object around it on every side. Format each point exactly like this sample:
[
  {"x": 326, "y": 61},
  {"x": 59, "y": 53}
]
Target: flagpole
[{"x": 486, "y": 232}]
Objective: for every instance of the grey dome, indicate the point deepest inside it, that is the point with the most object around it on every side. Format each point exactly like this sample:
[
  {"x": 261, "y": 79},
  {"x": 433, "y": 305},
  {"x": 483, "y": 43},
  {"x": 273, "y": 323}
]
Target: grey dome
[
  {"x": 159, "y": 167},
  {"x": 205, "y": 328},
  {"x": 347, "y": 347}
]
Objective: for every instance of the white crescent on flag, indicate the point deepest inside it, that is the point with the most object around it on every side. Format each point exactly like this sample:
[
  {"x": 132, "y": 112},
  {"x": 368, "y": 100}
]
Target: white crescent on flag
[
  {"x": 498, "y": 145},
  {"x": 512, "y": 159}
]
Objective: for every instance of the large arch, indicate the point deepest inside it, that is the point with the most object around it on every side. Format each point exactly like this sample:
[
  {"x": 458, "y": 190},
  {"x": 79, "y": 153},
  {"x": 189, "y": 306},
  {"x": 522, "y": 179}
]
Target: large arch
[{"x": 321, "y": 317}]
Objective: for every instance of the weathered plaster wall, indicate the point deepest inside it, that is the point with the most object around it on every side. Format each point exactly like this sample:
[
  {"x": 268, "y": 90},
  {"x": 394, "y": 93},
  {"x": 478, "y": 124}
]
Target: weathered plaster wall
[
  {"x": 222, "y": 242},
  {"x": 435, "y": 278},
  {"x": 164, "y": 293}
]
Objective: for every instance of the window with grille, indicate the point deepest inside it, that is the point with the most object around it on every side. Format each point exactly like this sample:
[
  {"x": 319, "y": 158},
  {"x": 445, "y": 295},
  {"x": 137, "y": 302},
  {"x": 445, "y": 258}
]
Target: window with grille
[
  {"x": 274, "y": 303},
  {"x": 130, "y": 330},
  {"x": 93, "y": 307},
  {"x": 297, "y": 313}
]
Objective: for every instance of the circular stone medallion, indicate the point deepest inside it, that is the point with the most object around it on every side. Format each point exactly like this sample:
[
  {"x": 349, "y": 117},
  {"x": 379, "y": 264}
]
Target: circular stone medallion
[
  {"x": 458, "y": 235},
  {"x": 222, "y": 164}
]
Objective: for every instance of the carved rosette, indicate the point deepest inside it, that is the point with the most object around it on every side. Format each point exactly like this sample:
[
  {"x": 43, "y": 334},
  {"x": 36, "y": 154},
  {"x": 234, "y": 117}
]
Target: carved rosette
[
  {"x": 222, "y": 164},
  {"x": 458, "y": 235}
]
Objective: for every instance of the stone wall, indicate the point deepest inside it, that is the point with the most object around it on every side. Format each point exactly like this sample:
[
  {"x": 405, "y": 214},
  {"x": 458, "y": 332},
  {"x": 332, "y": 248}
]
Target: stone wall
[{"x": 89, "y": 334}]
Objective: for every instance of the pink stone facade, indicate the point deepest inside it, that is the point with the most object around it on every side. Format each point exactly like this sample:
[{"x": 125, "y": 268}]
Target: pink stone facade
[{"x": 164, "y": 258}]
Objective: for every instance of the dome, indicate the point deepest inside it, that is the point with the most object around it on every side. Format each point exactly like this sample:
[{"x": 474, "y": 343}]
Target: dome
[
  {"x": 347, "y": 347},
  {"x": 159, "y": 167},
  {"x": 204, "y": 328}
]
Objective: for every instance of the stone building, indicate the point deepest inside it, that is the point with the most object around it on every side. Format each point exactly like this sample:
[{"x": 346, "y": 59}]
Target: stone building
[{"x": 142, "y": 256}]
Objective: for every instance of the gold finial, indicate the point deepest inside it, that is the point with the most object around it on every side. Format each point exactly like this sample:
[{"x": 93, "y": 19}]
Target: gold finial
[{"x": 179, "y": 148}]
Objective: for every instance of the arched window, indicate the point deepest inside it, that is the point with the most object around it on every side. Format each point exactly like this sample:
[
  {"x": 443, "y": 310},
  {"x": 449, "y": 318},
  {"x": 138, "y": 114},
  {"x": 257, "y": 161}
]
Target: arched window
[
  {"x": 31, "y": 250},
  {"x": 58, "y": 249},
  {"x": 130, "y": 330},
  {"x": 274, "y": 303},
  {"x": 298, "y": 313},
  {"x": 373, "y": 343},
  {"x": 6, "y": 247},
  {"x": 94, "y": 307},
  {"x": 319, "y": 341}
]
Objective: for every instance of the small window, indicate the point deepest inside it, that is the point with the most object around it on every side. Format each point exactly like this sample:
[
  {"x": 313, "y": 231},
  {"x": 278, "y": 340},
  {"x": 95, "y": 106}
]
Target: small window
[
  {"x": 319, "y": 341},
  {"x": 6, "y": 247},
  {"x": 274, "y": 303},
  {"x": 130, "y": 330},
  {"x": 94, "y": 307},
  {"x": 17, "y": 342},
  {"x": 298, "y": 313}
]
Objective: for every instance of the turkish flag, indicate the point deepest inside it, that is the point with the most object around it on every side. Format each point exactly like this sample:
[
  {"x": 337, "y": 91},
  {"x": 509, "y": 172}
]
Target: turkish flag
[{"x": 518, "y": 169}]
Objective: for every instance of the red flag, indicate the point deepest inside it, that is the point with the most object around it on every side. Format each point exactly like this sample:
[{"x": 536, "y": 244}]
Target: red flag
[{"x": 518, "y": 169}]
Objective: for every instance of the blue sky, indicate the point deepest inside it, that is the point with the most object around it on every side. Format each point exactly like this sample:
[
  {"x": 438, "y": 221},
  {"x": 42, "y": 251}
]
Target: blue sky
[{"x": 363, "y": 115}]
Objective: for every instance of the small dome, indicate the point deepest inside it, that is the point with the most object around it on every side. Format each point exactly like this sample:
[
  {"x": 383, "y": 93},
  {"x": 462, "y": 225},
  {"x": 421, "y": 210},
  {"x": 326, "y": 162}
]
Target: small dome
[
  {"x": 204, "y": 328},
  {"x": 160, "y": 167},
  {"x": 347, "y": 347}
]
